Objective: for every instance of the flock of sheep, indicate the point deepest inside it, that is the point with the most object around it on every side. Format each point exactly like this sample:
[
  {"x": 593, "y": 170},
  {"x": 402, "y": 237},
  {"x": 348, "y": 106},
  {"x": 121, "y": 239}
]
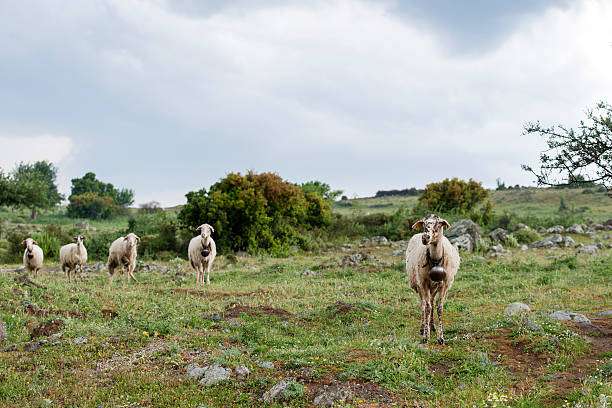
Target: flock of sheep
[{"x": 431, "y": 263}]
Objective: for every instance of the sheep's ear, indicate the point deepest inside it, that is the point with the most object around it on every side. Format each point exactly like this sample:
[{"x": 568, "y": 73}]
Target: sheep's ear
[
  {"x": 35, "y": 242},
  {"x": 23, "y": 242},
  {"x": 418, "y": 225},
  {"x": 444, "y": 223},
  {"x": 199, "y": 228},
  {"x": 137, "y": 238},
  {"x": 74, "y": 238},
  {"x": 84, "y": 238},
  {"x": 211, "y": 229},
  {"x": 125, "y": 238}
]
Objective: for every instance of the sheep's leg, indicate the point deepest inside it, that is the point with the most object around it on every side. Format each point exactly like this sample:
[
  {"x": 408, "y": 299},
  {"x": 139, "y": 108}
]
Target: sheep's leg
[
  {"x": 207, "y": 274},
  {"x": 200, "y": 275},
  {"x": 131, "y": 272},
  {"x": 432, "y": 327},
  {"x": 425, "y": 313},
  {"x": 441, "y": 298}
]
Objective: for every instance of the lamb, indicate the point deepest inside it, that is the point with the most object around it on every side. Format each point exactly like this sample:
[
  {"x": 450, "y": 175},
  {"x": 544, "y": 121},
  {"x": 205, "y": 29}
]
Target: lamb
[
  {"x": 202, "y": 251},
  {"x": 73, "y": 256},
  {"x": 32, "y": 256},
  {"x": 122, "y": 254},
  {"x": 426, "y": 250}
]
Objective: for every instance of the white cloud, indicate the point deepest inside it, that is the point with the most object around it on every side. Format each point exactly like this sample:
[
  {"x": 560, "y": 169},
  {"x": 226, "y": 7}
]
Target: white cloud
[{"x": 30, "y": 149}]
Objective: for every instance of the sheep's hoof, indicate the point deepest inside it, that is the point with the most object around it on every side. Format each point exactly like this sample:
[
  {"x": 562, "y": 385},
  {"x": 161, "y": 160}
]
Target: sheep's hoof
[{"x": 441, "y": 340}]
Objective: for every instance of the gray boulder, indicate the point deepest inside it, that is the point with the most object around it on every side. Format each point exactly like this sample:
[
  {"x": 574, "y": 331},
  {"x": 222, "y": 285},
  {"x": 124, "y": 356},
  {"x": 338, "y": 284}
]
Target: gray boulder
[
  {"x": 276, "y": 393},
  {"x": 332, "y": 396},
  {"x": 214, "y": 374},
  {"x": 557, "y": 229},
  {"x": 569, "y": 316},
  {"x": 266, "y": 364},
  {"x": 588, "y": 249},
  {"x": 456, "y": 234},
  {"x": 499, "y": 235},
  {"x": 568, "y": 242},
  {"x": 521, "y": 226},
  {"x": 398, "y": 252},
  {"x": 532, "y": 326},
  {"x": 606, "y": 313},
  {"x": 575, "y": 229},
  {"x": 194, "y": 371},
  {"x": 550, "y": 241},
  {"x": 242, "y": 372},
  {"x": 380, "y": 240},
  {"x": 516, "y": 307},
  {"x": 80, "y": 340}
]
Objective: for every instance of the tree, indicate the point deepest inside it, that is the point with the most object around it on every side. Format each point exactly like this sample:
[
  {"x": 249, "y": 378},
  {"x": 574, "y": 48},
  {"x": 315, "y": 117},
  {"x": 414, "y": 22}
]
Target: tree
[
  {"x": 92, "y": 198},
  {"x": 91, "y": 205},
  {"x": 255, "y": 211},
  {"x": 576, "y": 156},
  {"x": 33, "y": 186},
  {"x": 453, "y": 195},
  {"x": 322, "y": 189}
]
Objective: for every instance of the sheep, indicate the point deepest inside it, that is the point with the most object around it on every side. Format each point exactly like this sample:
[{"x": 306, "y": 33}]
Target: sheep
[
  {"x": 426, "y": 250},
  {"x": 122, "y": 254},
  {"x": 32, "y": 256},
  {"x": 73, "y": 256},
  {"x": 202, "y": 251}
]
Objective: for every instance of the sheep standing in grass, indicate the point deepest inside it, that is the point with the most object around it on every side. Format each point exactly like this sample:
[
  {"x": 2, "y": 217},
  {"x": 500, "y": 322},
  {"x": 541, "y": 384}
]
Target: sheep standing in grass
[
  {"x": 202, "y": 251},
  {"x": 122, "y": 254},
  {"x": 426, "y": 250},
  {"x": 73, "y": 256},
  {"x": 32, "y": 256}
]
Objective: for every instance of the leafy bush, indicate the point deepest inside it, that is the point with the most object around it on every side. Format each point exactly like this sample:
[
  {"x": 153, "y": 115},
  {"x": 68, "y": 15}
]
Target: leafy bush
[
  {"x": 453, "y": 195},
  {"x": 99, "y": 243},
  {"x": 90, "y": 205},
  {"x": 526, "y": 236},
  {"x": 255, "y": 211}
]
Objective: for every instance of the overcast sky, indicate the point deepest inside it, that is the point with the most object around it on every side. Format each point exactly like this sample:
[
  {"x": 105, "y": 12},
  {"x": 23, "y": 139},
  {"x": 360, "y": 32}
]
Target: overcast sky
[{"x": 169, "y": 96}]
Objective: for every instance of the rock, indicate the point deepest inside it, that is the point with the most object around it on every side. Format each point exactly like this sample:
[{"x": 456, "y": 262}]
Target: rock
[
  {"x": 55, "y": 336},
  {"x": 82, "y": 224},
  {"x": 380, "y": 240},
  {"x": 80, "y": 340},
  {"x": 456, "y": 234},
  {"x": 588, "y": 249},
  {"x": 308, "y": 272},
  {"x": 598, "y": 227},
  {"x": 557, "y": 229},
  {"x": 307, "y": 373},
  {"x": 214, "y": 374},
  {"x": 194, "y": 371},
  {"x": 570, "y": 316},
  {"x": 20, "y": 268},
  {"x": 32, "y": 346},
  {"x": 550, "y": 241},
  {"x": 590, "y": 328},
  {"x": 356, "y": 259},
  {"x": 575, "y": 229},
  {"x": 516, "y": 307},
  {"x": 533, "y": 326},
  {"x": 568, "y": 242},
  {"x": 398, "y": 252},
  {"x": 266, "y": 364},
  {"x": 463, "y": 243},
  {"x": 332, "y": 396},
  {"x": 215, "y": 317},
  {"x": 540, "y": 230},
  {"x": 499, "y": 235},
  {"x": 12, "y": 347},
  {"x": 555, "y": 341},
  {"x": 605, "y": 313},
  {"x": 3, "y": 335},
  {"x": 521, "y": 226},
  {"x": 277, "y": 391},
  {"x": 524, "y": 247},
  {"x": 242, "y": 372}
]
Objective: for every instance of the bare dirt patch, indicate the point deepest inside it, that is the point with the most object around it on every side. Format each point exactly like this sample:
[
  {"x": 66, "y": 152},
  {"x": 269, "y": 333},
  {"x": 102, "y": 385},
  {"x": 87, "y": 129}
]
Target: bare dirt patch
[
  {"x": 372, "y": 395},
  {"x": 235, "y": 310},
  {"x": 33, "y": 310},
  {"x": 340, "y": 308},
  {"x": 205, "y": 293},
  {"x": 47, "y": 328}
]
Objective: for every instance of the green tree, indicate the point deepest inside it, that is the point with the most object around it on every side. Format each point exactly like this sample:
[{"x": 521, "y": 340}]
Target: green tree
[
  {"x": 33, "y": 186},
  {"x": 322, "y": 189},
  {"x": 578, "y": 156},
  {"x": 91, "y": 205},
  {"x": 255, "y": 211},
  {"x": 92, "y": 198},
  {"x": 453, "y": 195}
]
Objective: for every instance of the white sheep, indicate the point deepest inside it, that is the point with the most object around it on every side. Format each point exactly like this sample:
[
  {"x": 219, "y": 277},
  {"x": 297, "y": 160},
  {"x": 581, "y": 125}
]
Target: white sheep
[
  {"x": 73, "y": 256},
  {"x": 122, "y": 254},
  {"x": 426, "y": 250},
  {"x": 32, "y": 256},
  {"x": 202, "y": 251}
]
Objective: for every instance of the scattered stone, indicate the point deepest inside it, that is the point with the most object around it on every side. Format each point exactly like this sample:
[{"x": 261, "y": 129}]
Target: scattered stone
[
  {"x": 568, "y": 242},
  {"x": 266, "y": 364},
  {"x": 557, "y": 229},
  {"x": 380, "y": 241},
  {"x": 497, "y": 251},
  {"x": 242, "y": 372},
  {"x": 458, "y": 231},
  {"x": 277, "y": 391},
  {"x": 516, "y": 307},
  {"x": 524, "y": 247},
  {"x": 194, "y": 371},
  {"x": 332, "y": 396},
  {"x": 12, "y": 347},
  {"x": 356, "y": 259},
  {"x": 3, "y": 335},
  {"x": 55, "y": 336},
  {"x": 576, "y": 229},
  {"x": 80, "y": 340},
  {"x": 521, "y": 226},
  {"x": 605, "y": 313},
  {"x": 215, "y": 317},
  {"x": 82, "y": 224},
  {"x": 214, "y": 374},
  {"x": 20, "y": 268},
  {"x": 550, "y": 241},
  {"x": 307, "y": 373},
  {"x": 499, "y": 235},
  {"x": 533, "y": 326},
  {"x": 590, "y": 328},
  {"x": 398, "y": 252},
  {"x": 598, "y": 227},
  {"x": 570, "y": 316},
  {"x": 308, "y": 272},
  {"x": 588, "y": 249}
]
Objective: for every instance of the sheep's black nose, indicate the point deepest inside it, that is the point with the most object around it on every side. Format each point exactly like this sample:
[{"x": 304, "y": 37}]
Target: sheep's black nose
[
  {"x": 205, "y": 253},
  {"x": 30, "y": 256}
]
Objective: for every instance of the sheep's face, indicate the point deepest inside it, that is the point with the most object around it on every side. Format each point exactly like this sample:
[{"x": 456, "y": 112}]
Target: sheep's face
[
  {"x": 29, "y": 243},
  {"x": 433, "y": 228},
  {"x": 205, "y": 231},
  {"x": 131, "y": 240},
  {"x": 79, "y": 239}
]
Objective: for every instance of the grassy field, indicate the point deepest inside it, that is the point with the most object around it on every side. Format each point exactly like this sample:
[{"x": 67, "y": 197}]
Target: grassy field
[
  {"x": 350, "y": 327},
  {"x": 536, "y": 202}
]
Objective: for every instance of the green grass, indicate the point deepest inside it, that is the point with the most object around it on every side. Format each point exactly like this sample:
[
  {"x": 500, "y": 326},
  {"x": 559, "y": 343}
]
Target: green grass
[{"x": 353, "y": 325}]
